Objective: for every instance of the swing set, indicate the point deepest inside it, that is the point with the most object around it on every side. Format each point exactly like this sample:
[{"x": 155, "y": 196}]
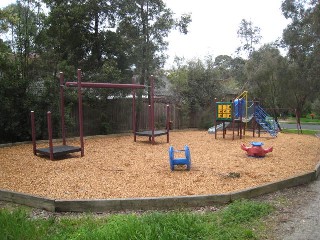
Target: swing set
[{"x": 64, "y": 149}]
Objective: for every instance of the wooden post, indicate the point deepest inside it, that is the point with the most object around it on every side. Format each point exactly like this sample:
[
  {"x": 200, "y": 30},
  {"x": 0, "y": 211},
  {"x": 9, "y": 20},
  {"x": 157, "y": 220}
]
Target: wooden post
[
  {"x": 168, "y": 122},
  {"x": 152, "y": 108},
  {"x": 240, "y": 112},
  {"x": 134, "y": 111},
  {"x": 80, "y": 113},
  {"x": 63, "y": 130},
  {"x": 33, "y": 132},
  {"x": 232, "y": 116},
  {"x": 50, "y": 134},
  {"x": 215, "y": 118},
  {"x": 254, "y": 118}
]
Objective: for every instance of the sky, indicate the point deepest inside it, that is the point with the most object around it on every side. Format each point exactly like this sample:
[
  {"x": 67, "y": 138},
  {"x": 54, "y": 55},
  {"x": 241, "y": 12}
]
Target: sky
[
  {"x": 214, "y": 26},
  {"x": 215, "y": 23}
]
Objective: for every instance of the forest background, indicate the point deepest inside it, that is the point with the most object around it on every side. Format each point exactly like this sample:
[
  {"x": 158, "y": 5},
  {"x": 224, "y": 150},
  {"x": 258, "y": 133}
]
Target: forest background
[{"x": 115, "y": 41}]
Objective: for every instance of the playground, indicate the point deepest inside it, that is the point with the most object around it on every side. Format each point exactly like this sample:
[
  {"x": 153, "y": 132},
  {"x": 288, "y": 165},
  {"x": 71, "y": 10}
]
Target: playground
[{"x": 115, "y": 166}]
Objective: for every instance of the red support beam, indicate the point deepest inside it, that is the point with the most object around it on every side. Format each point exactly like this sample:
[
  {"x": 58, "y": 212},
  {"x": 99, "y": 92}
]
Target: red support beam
[
  {"x": 215, "y": 117},
  {"x": 63, "y": 130},
  {"x": 150, "y": 117},
  {"x": 105, "y": 85},
  {"x": 134, "y": 112},
  {"x": 33, "y": 132},
  {"x": 152, "y": 108},
  {"x": 50, "y": 134},
  {"x": 168, "y": 122},
  {"x": 80, "y": 112},
  {"x": 254, "y": 118}
]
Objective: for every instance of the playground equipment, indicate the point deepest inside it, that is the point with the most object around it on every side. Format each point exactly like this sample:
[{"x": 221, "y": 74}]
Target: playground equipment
[
  {"x": 60, "y": 150},
  {"x": 219, "y": 126},
  {"x": 256, "y": 149},
  {"x": 151, "y": 133},
  {"x": 239, "y": 112},
  {"x": 55, "y": 151},
  {"x": 179, "y": 161}
]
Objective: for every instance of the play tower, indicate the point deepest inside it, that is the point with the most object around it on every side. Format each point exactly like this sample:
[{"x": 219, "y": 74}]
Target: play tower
[{"x": 239, "y": 112}]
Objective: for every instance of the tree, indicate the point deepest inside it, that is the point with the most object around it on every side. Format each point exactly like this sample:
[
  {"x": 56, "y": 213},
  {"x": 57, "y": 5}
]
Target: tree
[
  {"x": 267, "y": 75},
  {"x": 145, "y": 24},
  {"x": 19, "y": 27},
  {"x": 249, "y": 36},
  {"x": 21, "y": 22},
  {"x": 302, "y": 39},
  {"x": 195, "y": 84}
]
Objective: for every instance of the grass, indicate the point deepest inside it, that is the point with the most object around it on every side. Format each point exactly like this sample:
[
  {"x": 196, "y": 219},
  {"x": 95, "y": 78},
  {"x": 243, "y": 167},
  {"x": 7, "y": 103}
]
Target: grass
[
  {"x": 308, "y": 120},
  {"x": 239, "y": 220},
  {"x": 305, "y": 131}
]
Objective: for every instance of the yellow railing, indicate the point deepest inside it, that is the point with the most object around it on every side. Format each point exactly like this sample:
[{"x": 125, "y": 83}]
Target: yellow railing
[{"x": 245, "y": 96}]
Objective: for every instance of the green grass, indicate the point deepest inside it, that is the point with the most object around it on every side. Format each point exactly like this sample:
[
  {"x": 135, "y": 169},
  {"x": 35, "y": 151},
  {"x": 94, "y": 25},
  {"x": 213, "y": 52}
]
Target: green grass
[
  {"x": 239, "y": 220},
  {"x": 303, "y": 120},
  {"x": 305, "y": 132}
]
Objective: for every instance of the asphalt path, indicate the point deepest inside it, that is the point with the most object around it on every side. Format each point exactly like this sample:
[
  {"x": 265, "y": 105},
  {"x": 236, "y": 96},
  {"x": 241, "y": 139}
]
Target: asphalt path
[{"x": 305, "y": 223}]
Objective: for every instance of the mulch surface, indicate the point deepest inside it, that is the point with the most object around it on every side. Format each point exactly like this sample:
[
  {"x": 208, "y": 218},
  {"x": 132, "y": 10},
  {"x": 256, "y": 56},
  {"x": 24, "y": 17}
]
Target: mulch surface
[{"x": 117, "y": 167}]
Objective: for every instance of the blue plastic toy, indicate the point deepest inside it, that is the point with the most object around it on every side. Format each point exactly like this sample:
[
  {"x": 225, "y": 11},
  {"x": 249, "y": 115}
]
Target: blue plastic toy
[{"x": 180, "y": 161}]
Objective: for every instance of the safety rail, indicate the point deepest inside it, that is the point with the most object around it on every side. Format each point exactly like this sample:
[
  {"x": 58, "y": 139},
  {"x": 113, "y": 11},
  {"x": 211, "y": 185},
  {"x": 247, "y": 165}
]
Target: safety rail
[{"x": 267, "y": 122}]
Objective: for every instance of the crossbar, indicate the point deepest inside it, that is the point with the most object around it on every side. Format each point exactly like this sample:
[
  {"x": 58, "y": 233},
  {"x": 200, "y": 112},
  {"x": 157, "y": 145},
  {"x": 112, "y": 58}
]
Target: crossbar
[{"x": 105, "y": 85}]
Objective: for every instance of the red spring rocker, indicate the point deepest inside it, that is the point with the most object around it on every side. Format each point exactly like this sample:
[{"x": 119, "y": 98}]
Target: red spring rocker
[{"x": 256, "y": 150}]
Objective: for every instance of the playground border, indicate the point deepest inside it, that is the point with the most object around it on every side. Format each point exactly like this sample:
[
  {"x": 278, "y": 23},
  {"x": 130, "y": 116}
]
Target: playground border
[{"x": 154, "y": 203}]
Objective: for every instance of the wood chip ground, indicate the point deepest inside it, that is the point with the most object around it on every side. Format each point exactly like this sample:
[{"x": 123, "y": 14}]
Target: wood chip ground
[{"x": 118, "y": 167}]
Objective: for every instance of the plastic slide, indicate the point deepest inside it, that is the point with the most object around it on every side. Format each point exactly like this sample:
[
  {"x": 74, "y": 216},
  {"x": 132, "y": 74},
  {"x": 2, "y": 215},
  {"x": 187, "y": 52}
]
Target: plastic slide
[{"x": 219, "y": 126}]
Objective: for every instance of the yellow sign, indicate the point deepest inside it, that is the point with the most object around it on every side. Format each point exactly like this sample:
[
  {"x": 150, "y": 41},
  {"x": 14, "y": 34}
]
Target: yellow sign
[{"x": 224, "y": 111}]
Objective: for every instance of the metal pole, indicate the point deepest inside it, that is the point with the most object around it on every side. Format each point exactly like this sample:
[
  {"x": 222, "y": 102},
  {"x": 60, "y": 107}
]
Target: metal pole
[
  {"x": 80, "y": 113},
  {"x": 50, "y": 134},
  {"x": 62, "y": 108},
  {"x": 33, "y": 132}
]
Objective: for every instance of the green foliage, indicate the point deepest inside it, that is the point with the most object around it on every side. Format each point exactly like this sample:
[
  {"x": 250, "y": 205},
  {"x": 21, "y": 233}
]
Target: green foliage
[
  {"x": 244, "y": 211},
  {"x": 207, "y": 119},
  {"x": 239, "y": 220},
  {"x": 315, "y": 107},
  {"x": 302, "y": 38},
  {"x": 17, "y": 225},
  {"x": 195, "y": 83},
  {"x": 305, "y": 131},
  {"x": 145, "y": 25},
  {"x": 104, "y": 38},
  {"x": 266, "y": 71},
  {"x": 14, "y": 102}
]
